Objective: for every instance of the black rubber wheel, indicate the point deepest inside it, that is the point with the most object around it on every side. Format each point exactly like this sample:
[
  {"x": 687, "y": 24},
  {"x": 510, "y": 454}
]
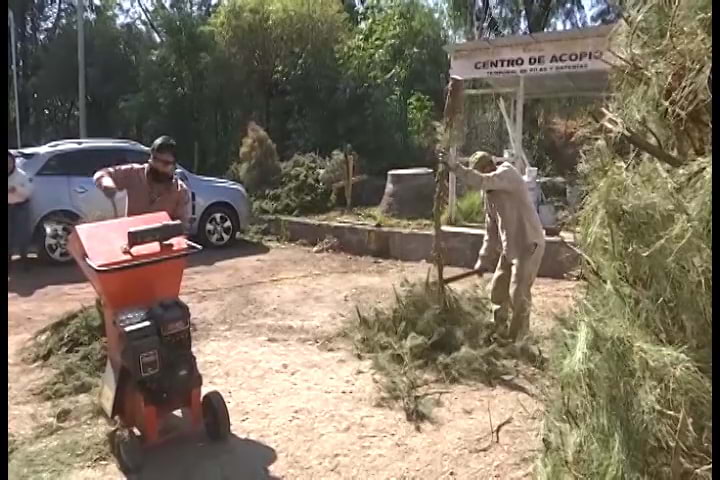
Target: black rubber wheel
[
  {"x": 128, "y": 452},
  {"x": 215, "y": 416},
  {"x": 218, "y": 227},
  {"x": 51, "y": 238}
]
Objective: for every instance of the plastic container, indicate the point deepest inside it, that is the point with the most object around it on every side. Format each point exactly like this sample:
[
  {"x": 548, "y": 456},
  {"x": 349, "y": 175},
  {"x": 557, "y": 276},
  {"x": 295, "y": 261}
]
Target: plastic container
[
  {"x": 548, "y": 215},
  {"x": 124, "y": 277},
  {"x": 509, "y": 156}
]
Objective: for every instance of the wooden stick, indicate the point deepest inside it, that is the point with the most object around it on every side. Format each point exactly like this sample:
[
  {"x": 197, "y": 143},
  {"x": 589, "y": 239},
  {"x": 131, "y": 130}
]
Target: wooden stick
[
  {"x": 463, "y": 275},
  {"x": 453, "y": 106}
]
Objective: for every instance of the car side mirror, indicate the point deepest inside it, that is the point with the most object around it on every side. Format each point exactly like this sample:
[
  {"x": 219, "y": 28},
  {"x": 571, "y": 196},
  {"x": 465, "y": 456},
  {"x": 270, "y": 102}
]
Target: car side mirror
[{"x": 181, "y": 175}]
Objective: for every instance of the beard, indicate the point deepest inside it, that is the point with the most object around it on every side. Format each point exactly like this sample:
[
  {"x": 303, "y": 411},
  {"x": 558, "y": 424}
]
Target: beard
[{"x": 159, "y": 177}]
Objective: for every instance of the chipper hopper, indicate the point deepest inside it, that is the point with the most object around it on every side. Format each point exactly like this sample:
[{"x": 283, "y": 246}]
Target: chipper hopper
[{"x": 135, "y": 265}]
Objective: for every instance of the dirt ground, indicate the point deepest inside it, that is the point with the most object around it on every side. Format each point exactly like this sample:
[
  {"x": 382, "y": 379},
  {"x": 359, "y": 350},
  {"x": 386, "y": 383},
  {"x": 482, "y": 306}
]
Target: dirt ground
[{"x": 301, "y": 407}]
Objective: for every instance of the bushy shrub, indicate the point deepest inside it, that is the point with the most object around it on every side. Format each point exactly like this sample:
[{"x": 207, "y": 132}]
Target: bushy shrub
[
  {"x": 470, "y": 208},
  {"x": 333, "y": 168},
  {"x": 257, "y": 166},
  {"x": 635, "y": 360},
  {"x": 423, "y": 130},
  {"x": 301, "y": 189}
]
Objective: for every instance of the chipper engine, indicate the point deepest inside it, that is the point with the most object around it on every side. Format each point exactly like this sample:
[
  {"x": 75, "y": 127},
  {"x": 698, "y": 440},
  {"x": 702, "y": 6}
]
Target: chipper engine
[{"x": 136, "y": 265}]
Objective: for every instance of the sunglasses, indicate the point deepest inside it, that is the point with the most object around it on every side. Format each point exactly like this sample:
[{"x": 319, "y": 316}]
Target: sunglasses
[{"x": 163, "y": 161}]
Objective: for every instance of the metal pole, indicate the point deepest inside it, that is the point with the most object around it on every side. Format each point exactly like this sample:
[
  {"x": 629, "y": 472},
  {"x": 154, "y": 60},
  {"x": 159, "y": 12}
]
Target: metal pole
[
  {"x": 519, "y": 104},
  {"x": 452, "y": 189},
  {"x": 11, "y": 19},
  {"x": 81, "y": 68}
]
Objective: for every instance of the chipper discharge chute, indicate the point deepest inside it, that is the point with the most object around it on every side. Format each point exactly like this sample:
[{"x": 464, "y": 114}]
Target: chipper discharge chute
[{"x": 136, "y": 264}]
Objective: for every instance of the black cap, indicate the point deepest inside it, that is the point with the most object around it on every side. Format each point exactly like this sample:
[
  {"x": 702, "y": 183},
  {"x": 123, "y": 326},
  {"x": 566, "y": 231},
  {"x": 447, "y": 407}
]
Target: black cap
[{"x": 163, "y": 144}]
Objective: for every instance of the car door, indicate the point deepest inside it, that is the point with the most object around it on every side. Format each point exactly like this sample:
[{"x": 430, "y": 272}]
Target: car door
[
  {"x": 183, "y": 175},
  {"x": 51, "y": 191},
  {"x": 86, "y": 198}
]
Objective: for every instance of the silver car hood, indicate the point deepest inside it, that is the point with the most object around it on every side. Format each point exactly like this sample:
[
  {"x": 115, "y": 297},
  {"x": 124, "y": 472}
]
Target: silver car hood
[{"x": 220, "y": 182}]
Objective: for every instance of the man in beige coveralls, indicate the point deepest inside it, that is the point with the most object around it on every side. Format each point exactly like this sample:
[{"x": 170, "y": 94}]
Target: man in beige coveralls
[
  {"x": 152, "y": 187},
  {"x": 514, "y": 232}
]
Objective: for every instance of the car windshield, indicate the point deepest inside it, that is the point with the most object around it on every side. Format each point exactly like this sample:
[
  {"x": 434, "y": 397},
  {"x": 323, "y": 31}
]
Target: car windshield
[
  {"x": 26, "y": 161},
  {"x": 184, "y": 168}
]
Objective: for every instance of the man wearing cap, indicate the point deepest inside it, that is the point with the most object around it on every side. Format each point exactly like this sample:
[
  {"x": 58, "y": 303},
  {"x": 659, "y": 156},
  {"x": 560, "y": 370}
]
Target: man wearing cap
[
  {"x": 514, "y": 232},
  {"x": 152, "y": 187}
]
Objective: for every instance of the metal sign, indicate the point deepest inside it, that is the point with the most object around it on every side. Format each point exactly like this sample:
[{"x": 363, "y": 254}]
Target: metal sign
[{"x": 537, "y": 58}]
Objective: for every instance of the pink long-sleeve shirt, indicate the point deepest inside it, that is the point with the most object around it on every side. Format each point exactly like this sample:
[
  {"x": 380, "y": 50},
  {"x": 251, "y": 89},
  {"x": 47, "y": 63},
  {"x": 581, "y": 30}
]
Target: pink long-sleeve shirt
[{"x": 146, "y": 196}]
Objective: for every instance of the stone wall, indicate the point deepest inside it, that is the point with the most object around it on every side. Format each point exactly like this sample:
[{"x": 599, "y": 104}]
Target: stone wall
[{"x": 461, "y": 244}]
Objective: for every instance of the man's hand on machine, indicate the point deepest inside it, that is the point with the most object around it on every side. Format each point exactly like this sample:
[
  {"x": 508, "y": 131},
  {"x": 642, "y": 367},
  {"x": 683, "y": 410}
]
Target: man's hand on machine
[
  {"x": 108, "y": 187},
  {"x": 444, "y": 159}
]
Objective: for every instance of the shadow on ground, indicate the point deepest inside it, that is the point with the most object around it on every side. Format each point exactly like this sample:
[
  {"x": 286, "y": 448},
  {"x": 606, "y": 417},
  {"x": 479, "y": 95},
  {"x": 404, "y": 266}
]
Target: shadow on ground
[
  {"x": 40, "y": 275},
  {"x": 197, "y": 459},
  {"x": 241, "y": 249}
]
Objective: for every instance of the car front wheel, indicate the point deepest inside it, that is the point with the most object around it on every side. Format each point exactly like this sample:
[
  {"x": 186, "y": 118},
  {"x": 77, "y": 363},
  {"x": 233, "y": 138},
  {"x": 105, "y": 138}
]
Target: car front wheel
[
  {"x": 52, "y": 238},
  {"x": 218, "y": 227}
]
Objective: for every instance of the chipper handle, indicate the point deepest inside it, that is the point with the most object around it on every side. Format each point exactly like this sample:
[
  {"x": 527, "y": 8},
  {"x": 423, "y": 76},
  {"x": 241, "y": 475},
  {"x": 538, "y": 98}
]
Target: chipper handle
[{"x": 161, "y": 232}]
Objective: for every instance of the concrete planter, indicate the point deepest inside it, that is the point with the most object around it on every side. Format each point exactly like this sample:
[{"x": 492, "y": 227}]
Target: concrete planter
[{"x": 461, "y": 244}]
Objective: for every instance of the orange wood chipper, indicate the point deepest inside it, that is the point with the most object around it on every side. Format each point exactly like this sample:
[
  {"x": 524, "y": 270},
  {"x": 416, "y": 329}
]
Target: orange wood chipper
[{"x": 136, "y": 266}]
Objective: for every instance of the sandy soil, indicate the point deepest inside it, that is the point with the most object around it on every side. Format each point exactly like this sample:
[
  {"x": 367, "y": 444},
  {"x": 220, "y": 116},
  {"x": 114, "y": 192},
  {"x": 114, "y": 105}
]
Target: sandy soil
[{"x": 301, "y": 408}]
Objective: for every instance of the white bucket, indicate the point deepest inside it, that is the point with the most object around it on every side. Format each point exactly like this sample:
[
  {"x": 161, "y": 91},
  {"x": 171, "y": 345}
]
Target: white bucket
[
  {"x": 509, "y": 157},
  {"x": 548, "y": 215}
]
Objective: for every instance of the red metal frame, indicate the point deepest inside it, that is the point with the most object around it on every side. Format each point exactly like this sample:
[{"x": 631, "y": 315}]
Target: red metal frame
[
  {"x": 134, "y": 279},
  {"x": 135, "y": 411}
]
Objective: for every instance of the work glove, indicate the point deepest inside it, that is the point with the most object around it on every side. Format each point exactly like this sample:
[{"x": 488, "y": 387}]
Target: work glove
[
  {"x": 108, "y": 188},
  {"x": 447, "y": 161}
]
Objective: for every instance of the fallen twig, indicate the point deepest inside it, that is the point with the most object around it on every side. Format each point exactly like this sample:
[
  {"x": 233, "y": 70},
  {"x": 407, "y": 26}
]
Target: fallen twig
[
  {"x": 507, "y": 421},
  {"x": 494, "y": 431}
]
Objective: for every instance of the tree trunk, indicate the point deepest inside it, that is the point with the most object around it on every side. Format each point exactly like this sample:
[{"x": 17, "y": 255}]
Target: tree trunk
[{"x": 409, "y": 193}]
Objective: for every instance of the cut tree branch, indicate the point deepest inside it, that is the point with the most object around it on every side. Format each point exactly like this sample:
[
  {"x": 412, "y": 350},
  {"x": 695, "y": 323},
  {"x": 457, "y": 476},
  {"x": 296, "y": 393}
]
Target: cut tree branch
[
  {"x": 615, "y": 125},
  {"x": 146, "y": 14}
]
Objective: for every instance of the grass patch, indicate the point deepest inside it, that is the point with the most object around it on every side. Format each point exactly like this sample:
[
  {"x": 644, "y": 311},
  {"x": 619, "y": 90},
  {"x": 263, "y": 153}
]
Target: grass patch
[
  {"x": 61, "y": 445},
  {"x": 372, "y": 216},
  {"x": 74, "y": 348},
  {"x": 417, "y": 343},
  {"x": 13, "y": 443}
]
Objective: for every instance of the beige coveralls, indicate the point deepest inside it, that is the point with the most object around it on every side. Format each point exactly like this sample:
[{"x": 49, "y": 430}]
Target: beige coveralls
[{"x": 514, "y": 232}]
